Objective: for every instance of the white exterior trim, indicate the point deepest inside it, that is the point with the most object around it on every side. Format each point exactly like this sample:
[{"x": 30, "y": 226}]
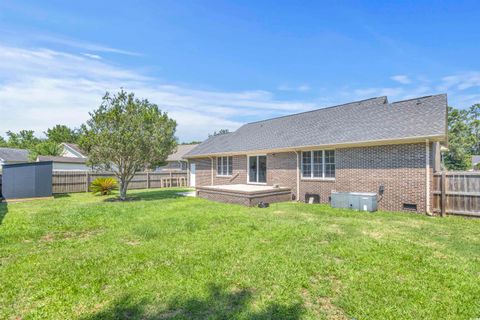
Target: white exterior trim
[
  {"x": 368, "y": 143},
  {"x": 228, "y": 162},
  {"x": 211, "y": 171},
  {"x": 71, "y": 153},
  {"x": 427, "y": 174},
  {"x": 322, "y": 178},
  {"x": 298, "y": 153}
]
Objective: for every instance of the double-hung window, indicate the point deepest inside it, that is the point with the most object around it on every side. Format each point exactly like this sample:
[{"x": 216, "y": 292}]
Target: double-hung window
[
  {"x": 224, "y": 166},
  {"x": 318, "y": 164}
]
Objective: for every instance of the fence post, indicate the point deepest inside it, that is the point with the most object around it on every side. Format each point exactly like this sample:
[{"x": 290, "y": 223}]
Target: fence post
[
  {"x": 444, "y": 194},
  {"x": 170, "y": 185},
  {"x": 148, "y": 180},
  {"x": 87, "y": 179}
]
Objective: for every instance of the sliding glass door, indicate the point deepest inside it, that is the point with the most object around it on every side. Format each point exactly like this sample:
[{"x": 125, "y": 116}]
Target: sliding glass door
[{"x": 257, "y": 169}]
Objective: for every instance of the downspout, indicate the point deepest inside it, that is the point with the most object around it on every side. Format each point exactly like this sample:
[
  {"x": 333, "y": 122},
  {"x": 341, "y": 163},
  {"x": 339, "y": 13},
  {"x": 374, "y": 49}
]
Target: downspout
[
  {"x": 188, "y": 173},
  {"x": 427, "y": 174},
  {"x": 298, "y": 176},
  {"x": 211, "y": 161}
]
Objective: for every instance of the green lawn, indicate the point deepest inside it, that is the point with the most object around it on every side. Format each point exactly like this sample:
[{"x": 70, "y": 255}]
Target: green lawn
[{"x": 165, "y": 256}]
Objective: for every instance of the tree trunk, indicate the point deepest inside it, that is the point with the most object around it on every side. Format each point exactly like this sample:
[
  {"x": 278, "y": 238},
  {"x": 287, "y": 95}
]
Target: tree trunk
[{"x": 123, "y": 189}]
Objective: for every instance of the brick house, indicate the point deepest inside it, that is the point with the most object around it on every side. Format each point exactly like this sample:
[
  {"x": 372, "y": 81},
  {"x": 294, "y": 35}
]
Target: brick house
[
  {"x": 354, "y": 147},
  {"x": 176, "y": 161}
]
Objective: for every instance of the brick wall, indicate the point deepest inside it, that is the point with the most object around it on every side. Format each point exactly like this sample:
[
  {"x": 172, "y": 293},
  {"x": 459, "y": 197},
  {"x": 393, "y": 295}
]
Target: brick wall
[
  {"x": 203, "y": 168},
  {"x": 399, "y": 168},
  {"x": 282, "y": 170}
]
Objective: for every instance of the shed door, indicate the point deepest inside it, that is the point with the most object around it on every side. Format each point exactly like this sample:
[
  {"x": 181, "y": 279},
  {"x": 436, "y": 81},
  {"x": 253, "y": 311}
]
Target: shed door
[{"x": 192, "y": 174}]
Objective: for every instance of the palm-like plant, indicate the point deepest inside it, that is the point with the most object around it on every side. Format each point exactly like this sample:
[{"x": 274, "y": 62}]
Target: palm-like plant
[{"x": 103, "y": 186}]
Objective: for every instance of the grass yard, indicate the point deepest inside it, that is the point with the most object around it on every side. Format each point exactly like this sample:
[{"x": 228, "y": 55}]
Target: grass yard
[{"x": 165, "y": 256}]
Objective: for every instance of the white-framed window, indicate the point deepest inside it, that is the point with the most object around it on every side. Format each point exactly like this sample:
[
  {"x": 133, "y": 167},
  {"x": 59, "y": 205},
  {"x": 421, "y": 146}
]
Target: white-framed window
[
  {"x": 257, "y": 169},
  {"x": 224, "y": 166},
  {"x": 318, "y": 164}
]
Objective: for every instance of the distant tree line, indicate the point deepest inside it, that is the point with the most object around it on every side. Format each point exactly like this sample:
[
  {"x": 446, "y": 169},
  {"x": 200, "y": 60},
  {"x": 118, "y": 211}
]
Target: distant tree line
[
  {"x": 220, "y": 132},
  {"x": 48, "y": 146},
  {"x": 463, "y": 137}
]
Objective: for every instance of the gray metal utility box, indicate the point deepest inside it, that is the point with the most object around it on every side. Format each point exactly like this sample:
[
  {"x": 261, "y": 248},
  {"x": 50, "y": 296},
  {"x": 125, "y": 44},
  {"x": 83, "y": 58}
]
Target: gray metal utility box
[
  {"x": 27, "y": 180},
  {"x": 363, "y": 201}
]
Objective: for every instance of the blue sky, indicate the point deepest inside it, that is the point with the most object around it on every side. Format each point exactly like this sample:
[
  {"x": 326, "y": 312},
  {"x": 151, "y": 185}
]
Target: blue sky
[{"x": 214, "y": 64}]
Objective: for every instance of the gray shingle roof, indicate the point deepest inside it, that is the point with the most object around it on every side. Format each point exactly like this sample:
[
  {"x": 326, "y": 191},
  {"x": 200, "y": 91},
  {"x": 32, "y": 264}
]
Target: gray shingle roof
[
  {"x": 363, "y": 121},
  {"x": 182, "y": 149},
  {"x": 11, "y": 154},
  {"x": 62, "y": 159}
]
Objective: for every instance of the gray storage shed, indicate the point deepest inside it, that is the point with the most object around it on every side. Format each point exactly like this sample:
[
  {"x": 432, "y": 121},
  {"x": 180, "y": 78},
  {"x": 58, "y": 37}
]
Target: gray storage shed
[{"x": 27, "y": 180}]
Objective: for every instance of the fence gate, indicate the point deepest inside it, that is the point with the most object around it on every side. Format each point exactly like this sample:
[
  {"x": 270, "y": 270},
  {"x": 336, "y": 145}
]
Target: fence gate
[{"x": 457, "y": 193}]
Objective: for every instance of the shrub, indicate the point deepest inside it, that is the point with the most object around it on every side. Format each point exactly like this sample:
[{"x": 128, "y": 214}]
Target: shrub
[{"x": 103, "y": 186}]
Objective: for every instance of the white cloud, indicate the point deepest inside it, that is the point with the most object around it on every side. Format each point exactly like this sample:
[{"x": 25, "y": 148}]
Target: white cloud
[
  {"x": 461, "y": 81},
  {"x": 403, "y": 79},
  {"x": 93, "y": 56},
  {"x": 40, "y": 88},
  {"x": 84, "y": 45},
  {"x": 300, "y": 88}
]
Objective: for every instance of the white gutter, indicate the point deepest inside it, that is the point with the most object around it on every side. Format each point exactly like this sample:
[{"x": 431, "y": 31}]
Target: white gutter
[
  {"x": 367, "y": 143},
  {"x": 298, "y": 176},
  {"x": 427, "y": 174},
  {"x": 188, "y": 173}
]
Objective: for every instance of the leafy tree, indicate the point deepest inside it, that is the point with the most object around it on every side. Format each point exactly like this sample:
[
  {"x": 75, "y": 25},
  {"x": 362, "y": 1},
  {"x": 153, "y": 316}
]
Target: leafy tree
[
  {"x": 221, "y": 131},
  {"x": 62, "y": 133},
  {"x": 192, "y": 142},
  {"x": 463, "y": 137},
  {"x": 24, "y": 139},
  {"x": 127, "y": 135},
  {"x": 45, "y": 148},
  {"x": 3, "y": 142}
]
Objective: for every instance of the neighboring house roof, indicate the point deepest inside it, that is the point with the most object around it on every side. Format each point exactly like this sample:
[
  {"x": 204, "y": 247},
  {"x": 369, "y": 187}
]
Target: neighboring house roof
[
  {"x": 475, "y": 160},
  {"x": 61, "y": 159},
  {"x": 11, "y": 154},
  {"x": 75, "y": 148},
  {"x": 181, "y": 150},
  {"x": 352, "y": 123}
]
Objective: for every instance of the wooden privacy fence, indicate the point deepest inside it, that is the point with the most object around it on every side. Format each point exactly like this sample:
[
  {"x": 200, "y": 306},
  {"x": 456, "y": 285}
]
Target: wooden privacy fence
[
  {"x": 79, "y": 181},
  {"x": 457, "y": 193}
]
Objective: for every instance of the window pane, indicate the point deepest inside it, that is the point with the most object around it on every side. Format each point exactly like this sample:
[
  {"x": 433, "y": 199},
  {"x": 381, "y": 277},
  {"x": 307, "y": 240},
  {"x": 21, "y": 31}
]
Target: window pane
[
  {"x": 329, "y": 171},
  {"x": 262, "y": 169},
  {"x": 330, "y": 163},
  {"x": 252, "y": 164},
  {"x": 317, "y": 164},
  {"x": 230, "y": 166},
  {"x": 306, "y": 164},
  {"x": 330, "y": 156},
  {"x": 219, "y": 166},
  {"x": 225, "y": 165}
]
